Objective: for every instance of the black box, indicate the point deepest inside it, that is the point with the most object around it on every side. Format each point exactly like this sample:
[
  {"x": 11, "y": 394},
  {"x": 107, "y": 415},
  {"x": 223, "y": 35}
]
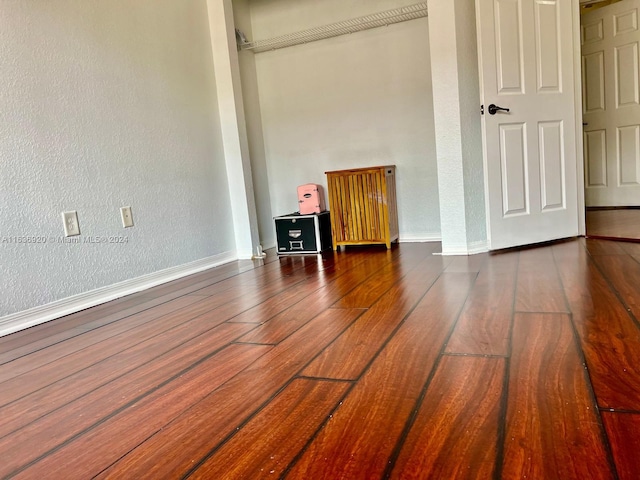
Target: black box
[{"x": 297, "y": 233}]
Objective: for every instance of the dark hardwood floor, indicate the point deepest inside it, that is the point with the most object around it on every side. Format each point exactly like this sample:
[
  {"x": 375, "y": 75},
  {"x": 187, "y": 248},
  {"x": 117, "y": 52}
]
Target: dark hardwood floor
[
  {"x": 363, "y": 364},
  {"x": 613, "y": 223}
]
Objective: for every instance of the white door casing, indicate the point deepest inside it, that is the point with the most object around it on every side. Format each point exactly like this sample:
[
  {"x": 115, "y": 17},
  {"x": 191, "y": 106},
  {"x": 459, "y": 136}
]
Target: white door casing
[
  {"x": 610, "y": 40},
  {"x": 526, "y": 65}
]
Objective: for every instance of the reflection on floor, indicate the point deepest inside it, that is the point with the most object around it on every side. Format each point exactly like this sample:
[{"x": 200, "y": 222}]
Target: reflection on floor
[{"x": 616, "y": 223}]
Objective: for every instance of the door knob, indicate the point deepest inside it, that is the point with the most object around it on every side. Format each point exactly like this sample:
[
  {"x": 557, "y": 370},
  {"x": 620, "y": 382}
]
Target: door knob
[{"x": 493, "y": 109}]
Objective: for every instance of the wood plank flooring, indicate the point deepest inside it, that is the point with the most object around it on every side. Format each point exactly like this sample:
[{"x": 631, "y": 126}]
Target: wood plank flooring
[
  {"x": 613, "y": 223},
  {"x": 369, "y": 363}
]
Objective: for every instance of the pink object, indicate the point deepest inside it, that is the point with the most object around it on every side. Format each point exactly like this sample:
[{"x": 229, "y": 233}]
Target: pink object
[{"x": 311, "y": 199}]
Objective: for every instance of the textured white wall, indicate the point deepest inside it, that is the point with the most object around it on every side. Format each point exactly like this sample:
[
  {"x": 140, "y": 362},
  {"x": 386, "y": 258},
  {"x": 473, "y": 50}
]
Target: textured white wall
[
  {"x": 457, "y": 125},
  {"x": 469, "y": 88},
  {"x": 234, "y": 131},
  {"x": 105, "y": 104},
  {"x": 253, "y": 118},
  {"x": 353, "y": 101}
]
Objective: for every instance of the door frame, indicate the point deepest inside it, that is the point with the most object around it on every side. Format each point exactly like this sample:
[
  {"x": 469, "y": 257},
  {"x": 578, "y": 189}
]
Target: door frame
[{"x": 577, "y": 81}]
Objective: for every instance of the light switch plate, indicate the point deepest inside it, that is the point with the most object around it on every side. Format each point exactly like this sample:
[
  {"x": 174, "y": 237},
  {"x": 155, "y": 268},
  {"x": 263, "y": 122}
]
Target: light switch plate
[
  {"x": 71, "y": 226},
  {"x": 127, "y": 217}
]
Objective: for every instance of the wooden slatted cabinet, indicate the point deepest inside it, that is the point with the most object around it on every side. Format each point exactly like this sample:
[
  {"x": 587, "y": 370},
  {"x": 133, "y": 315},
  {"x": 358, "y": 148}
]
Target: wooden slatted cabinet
[{"x": 363, "y": 206}]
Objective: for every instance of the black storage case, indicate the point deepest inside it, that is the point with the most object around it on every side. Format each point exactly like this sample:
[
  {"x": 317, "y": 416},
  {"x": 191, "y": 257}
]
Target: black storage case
[{"x": 300, "y": 234}]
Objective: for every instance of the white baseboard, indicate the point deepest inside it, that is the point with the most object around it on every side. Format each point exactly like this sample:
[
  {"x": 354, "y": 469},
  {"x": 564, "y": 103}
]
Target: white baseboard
[
  {"x": 35, "y": 316},
  {"x": 472, "y": 248},
  {"x": 428, "y": 237}
]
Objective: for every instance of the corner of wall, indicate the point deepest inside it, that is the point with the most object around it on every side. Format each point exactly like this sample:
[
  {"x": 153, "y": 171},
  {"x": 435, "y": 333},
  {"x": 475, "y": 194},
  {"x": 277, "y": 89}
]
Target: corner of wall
[{"x": 234, "y": 131}]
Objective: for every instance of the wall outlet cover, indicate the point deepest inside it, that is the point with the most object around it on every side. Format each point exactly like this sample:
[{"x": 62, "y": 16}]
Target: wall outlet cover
[
  {"x": 71, "y": 226},
  {"x": 127, "y": 217}
]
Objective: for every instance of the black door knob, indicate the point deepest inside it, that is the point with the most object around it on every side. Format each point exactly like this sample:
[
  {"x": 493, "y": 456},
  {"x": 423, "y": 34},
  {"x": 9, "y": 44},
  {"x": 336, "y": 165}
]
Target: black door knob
[{"x": 493, "y": 109}]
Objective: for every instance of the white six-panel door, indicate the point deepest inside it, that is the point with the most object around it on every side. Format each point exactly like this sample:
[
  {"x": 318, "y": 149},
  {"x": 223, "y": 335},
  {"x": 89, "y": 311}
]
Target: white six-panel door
[
  {"x": 526, "y": 63},
  {"x": 611, "y": 104}
]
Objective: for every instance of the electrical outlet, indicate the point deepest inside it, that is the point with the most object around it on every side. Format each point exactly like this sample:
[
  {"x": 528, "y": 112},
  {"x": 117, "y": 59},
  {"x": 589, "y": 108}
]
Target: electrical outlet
[
  {"x": 71, "y": 226},
  {"x": 127, "y": 217}
]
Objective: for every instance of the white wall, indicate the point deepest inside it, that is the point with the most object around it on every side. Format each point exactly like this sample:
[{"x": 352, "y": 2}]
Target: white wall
[
  {"x": 233, "y": 125},
  {"x": 471, "y": 139},
  {"x": 458, "y": 129},
  {"x": 105, "y": 104},
  {"x": 253, "y": 118},
  {"x": 353, "y": 101}
]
